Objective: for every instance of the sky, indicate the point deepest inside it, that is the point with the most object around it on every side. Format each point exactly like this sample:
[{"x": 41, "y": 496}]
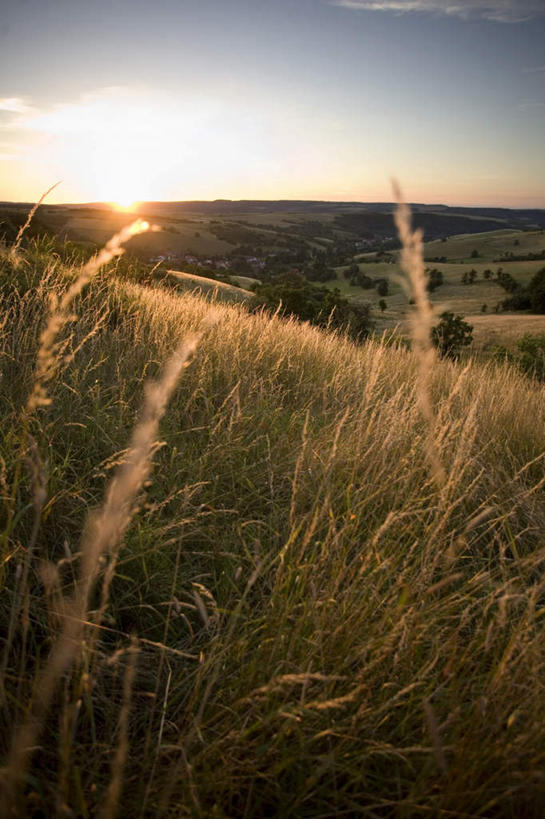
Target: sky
[{"x": 125, "y": 100}]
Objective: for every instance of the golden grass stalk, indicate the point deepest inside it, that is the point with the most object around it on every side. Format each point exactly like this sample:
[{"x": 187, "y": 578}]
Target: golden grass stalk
[
  {"x": 47, "y": 361},
  {"x": 412, "y": 263},
  {"x": 103, "y": 534},
  {"x": 18, "y": 239}
]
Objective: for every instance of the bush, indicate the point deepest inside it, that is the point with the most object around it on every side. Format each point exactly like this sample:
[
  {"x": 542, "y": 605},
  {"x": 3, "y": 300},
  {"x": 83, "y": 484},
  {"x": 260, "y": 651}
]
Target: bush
[
  {"x": 451, "y": 334},
  {"x": 531, "y": 355},
  {"x": 536, "y": 291},
  {"x": 383, "y": 287},
  {"x": 319, "y": 273},
  {"x": 520, "y": 300},
  {"x": 360, "y": 279},
  {"x": 531, "y": 297},
  {"x": 435, "y": 280},
  {"x": 506, "y": 280},
  {"x": 292, "y": 295}
]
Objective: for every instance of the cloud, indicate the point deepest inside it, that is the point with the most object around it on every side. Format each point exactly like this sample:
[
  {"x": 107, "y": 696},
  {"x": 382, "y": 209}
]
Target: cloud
[
  {"x": 15, "y": 105},
  {"x": 501, "y": 11}
]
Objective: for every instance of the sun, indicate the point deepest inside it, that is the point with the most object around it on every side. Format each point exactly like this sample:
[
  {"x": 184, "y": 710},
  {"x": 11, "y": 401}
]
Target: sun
[{"x": 124, "y": 203}]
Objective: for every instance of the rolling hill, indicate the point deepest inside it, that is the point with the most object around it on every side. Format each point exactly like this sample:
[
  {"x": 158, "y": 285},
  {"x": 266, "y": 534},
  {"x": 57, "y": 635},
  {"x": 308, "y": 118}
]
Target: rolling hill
[{"x": 290, "y": 613}]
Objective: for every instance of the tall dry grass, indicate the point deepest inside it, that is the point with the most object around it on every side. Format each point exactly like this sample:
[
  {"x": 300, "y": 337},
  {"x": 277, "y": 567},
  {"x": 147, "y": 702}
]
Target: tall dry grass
[
  {"x": 422, "y": 321},
  {"x": 324, "y": 627},
  {"x": 14, "y": 249}
]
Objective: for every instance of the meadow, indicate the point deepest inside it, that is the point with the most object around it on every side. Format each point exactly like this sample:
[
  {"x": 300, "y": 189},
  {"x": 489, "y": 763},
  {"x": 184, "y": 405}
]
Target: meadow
[
  {"x": 453, "y": 295},
  {"x": 250, "y": 568},
  {"x": 191, "y": 229}
]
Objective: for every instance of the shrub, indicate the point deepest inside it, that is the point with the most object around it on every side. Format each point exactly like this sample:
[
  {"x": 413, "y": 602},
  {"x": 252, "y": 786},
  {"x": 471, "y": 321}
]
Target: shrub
[
  {"x": 435, "y": 280},
  {"x": 531, "y": 297},
  {"x": 506, "y": 280},
  {"x": 292, "y": 295},
  {"x": 536, "y": 291},
  {"x": 520, "y": 300},
  {"x": 451, "y": 334},
  {"x": 531, "y": 355}
]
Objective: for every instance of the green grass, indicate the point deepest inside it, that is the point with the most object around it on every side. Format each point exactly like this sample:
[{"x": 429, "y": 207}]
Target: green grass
[
  {"x": 321, "y": 630},
  {"x": 454, "y": 296},
  {"x": 490, "y": 245}
]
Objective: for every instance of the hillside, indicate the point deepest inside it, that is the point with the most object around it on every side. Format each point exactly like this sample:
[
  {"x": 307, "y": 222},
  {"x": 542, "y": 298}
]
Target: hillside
[
  {"x": 291, "y": 616},
  {"x": 481, "y": 254},
  {"x": 222, "y": 227}
]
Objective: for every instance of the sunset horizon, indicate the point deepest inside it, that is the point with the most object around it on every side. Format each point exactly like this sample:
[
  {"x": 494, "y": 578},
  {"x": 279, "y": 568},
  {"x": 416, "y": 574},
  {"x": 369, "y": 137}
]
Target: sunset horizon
[{"x": 315, "y": 100}]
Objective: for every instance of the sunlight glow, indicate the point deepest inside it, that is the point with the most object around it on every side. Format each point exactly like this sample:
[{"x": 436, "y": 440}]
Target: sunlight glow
[
  {"x": 124, "y": 203},
  {"x": 124, "y": 147}
]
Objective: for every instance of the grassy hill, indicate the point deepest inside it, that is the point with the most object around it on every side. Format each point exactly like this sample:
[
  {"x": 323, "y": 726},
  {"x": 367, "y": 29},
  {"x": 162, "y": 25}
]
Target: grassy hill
[
  {"x": 288, "y": 615},
  {"x": 220, "y": 291},
  {"x": 453, "y": 258}
]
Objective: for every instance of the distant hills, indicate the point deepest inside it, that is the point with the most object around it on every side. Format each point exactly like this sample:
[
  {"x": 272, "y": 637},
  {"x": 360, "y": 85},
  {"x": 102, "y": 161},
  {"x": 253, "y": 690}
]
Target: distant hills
[{"x": 366, "y": 221}]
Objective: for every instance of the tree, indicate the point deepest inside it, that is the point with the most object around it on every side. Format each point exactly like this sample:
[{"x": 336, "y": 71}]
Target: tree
[
  {"x": 435, "y": 280},
  {"x": 451, "y": 334},
  {"x": 506, "y": 280},
  {"x": 292, "y": 295},
  {"x": 351, "y": 271},
  {"x": 360, "y": 279},
  {"x": 319, "y": 273},
  {"x": 536, "y": 291},
  {"x": 531, "y": 297},
  {"x": 382, "y": 304},
  {"x": 382, "y": 287},
  {"x": 531, "y": 355},
  {"x": 475, "y": 254}
]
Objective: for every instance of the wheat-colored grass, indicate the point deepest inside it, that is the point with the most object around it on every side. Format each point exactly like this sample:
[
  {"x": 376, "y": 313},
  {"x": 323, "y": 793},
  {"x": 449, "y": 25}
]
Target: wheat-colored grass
[
  {"x": 22, "y": 230},
  {"x": 324, "y": 627},
  {"x": 422, "y": 320}
]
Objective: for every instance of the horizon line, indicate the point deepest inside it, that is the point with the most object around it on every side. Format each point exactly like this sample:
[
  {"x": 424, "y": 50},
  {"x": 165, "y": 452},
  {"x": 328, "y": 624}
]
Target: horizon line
[{"x": 220, "y": 200}]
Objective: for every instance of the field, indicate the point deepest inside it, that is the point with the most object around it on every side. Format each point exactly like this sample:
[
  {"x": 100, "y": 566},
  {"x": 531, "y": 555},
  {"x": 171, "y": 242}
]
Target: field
[
  {"x": 176, "y": 236},
  {"x": 503, "y": 330},
  {"x": 489, "y": 245},
  {"x": 465, "y": 299},
  {"x": 266, "y": 572},
  {"x": 221, "y": 229}
]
